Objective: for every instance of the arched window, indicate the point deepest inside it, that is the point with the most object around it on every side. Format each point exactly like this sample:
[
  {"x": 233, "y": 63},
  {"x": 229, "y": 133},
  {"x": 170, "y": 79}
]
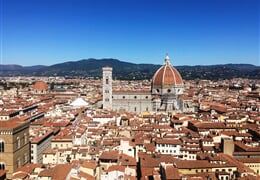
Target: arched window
[
  {"x": 25, "y": 138},
  {"x": 2, "y": 146},
  {"x": 25, "y": 157},
  {"x": 18, "y": 142},
  {"x": 2, "y": 165},
  {"x": 18, "y": 162}
]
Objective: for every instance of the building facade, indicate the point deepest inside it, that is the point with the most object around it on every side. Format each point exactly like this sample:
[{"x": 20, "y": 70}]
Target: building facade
[
  {"x": 39, "y": 145},
  {"x": 14, "y": 145},
  {"x": 165, "y": 94},
  {"x": 107, "y": 88}
]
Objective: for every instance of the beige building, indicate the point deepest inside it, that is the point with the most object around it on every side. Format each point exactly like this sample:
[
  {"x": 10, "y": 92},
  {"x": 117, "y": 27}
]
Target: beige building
[
  {"x": 14, "y": 145},
  {"x": 39, "y": 144}
]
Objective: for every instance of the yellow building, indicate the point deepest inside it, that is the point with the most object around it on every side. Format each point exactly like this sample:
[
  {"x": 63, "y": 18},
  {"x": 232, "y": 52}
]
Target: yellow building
[
  {"x": 252, "y": 163},
  {"x": 14, "y": 145}
]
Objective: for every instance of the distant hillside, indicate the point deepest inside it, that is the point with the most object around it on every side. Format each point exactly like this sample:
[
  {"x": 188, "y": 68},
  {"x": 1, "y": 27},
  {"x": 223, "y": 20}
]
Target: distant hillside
[
  {"x": 126, "y": 70},
  {"x": 17, "y": 70}
]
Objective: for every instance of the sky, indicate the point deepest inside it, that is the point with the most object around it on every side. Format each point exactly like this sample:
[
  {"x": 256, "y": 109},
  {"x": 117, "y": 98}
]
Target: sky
[{"x": 192, "y": 32}]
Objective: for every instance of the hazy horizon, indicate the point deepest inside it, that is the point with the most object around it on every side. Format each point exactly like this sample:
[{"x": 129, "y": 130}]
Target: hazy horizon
[{"x": 130, "y": 62}]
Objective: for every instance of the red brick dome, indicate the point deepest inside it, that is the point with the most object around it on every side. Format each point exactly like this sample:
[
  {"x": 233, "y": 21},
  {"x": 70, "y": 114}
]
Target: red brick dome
[
  {"x": 167, "y": 75},
  {"x": 40, "y": 85}
]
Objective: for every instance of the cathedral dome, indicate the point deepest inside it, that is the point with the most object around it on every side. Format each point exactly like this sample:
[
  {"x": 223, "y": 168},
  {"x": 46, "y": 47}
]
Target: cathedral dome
[
  {"x": 167, "y": 76},
  {"x": 40, "y": 85}
]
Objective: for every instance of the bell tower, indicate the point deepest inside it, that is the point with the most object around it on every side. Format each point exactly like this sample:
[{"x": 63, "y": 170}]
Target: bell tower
[{"x": 107, "y": 88}]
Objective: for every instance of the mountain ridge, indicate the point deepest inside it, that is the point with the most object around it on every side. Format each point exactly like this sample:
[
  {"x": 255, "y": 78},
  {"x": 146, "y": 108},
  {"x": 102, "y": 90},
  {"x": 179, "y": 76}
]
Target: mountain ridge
[{"x": 126, "y": 70}]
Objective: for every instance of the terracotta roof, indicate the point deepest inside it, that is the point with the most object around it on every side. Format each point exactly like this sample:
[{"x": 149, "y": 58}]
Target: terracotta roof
[
  {"x": 116, "y": 168},
  {"x": 167, "y": 75},
  {"x": 40, "y": 85},
  {"x": 10, "y": 124},
  {"x": 126, "y": 160},
  {"x": 154, "y": 160},
  {"x": 20, "y": 175},
  {"x": 89, "y": 165},
  {"x": 109, "y": 155},
  {"x": 59, "y": 172},
  {"x": 171, "y": 172}
]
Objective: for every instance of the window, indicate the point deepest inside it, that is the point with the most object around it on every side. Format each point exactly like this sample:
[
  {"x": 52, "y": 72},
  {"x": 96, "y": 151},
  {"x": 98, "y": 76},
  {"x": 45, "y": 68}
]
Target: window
[
  {"x": 18, "y": 163},
  {"x": 25, "y": 158},
  {"x": 2, "y": 165},
  {"x": 2, "y": 146},
  {"x": 18, "y": 142},
  {"x": 135, "y": 108},
  {"x": 169, "y": 90},
  {"x": 123, "y": 97},
  {"x": 106, "y": 80},
  {"x": 135, "y": 97},
  {"x": 146, "y": 97},
  {"x": 25, "y": 138}
]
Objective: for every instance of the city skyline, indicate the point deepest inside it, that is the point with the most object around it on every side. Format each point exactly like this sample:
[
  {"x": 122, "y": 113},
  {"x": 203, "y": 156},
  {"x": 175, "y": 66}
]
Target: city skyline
[{"x": 198, "y": 32}]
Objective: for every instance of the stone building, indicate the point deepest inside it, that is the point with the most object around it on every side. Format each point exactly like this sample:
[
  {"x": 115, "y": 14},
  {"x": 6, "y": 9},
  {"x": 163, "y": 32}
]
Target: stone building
[
  {"x": 14, "y": 145},
  {"x": 165, "y": 95}
]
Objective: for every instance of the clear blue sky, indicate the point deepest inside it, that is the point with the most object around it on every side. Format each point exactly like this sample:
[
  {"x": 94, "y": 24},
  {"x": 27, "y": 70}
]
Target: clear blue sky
[{"x": 193, "y": 32}]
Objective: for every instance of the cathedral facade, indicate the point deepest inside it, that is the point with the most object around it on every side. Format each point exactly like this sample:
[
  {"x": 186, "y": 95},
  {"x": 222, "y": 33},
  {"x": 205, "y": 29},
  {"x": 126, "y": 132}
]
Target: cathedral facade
[{"x": 165, "y": 95}]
